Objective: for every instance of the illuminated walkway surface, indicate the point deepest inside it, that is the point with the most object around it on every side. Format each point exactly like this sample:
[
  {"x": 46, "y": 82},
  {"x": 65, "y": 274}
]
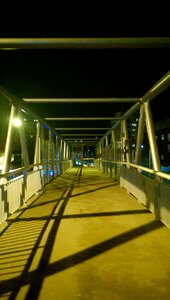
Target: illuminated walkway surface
[{"x": 84, "y": 238}]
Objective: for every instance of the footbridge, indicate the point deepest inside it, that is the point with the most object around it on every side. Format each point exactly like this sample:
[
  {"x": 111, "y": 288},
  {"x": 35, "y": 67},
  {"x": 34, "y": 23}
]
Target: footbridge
[{"x": 79, "y": 224}]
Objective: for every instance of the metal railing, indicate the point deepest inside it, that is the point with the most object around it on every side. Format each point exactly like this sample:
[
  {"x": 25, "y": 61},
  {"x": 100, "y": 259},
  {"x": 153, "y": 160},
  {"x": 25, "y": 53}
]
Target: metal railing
[
  {"x": 110, "y": 164},
  {"x": 147, "y": 185},
  {"x": 19, "y": 185}
]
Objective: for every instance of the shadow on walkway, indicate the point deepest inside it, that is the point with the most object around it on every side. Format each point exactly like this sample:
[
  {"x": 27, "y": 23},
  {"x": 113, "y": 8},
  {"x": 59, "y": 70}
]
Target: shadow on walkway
[{"x": 33, "y": 234}]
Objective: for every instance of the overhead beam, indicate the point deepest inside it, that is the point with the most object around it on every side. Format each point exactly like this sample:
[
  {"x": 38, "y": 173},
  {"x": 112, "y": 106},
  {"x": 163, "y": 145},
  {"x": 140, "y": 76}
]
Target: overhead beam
[
  {"x": 84, "y": 43},
  {"x": 81, "y": 118},
  {"x": 156, "y": 89},
  {"x": 83, "y": 143},
  {"x": 80, "y": 100},
  {"x": 80, "y": 134},
  {"x": 82, "y": 139},
  {"x": 82, "y": 128}
]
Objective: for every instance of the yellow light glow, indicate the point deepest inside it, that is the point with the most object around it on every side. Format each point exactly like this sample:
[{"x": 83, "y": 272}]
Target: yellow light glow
[
  {"x": 1, "y": 161},
  {"x": 16, "y": 122}
]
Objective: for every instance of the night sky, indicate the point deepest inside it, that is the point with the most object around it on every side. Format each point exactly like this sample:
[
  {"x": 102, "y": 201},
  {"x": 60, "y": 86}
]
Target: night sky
[{"x": 84, "y": 73}]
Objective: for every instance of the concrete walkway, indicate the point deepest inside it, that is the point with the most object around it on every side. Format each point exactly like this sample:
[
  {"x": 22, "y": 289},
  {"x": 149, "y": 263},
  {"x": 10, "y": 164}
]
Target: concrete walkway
[{"x": 84, "y": 238}]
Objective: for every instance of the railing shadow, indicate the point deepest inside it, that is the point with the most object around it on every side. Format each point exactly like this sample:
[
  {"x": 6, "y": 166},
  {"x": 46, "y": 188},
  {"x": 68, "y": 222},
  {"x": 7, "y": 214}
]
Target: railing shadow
[{"x": 35, "y": 278}]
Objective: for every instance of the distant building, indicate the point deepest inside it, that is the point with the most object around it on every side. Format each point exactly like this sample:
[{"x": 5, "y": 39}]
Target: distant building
[{"x": 162, "y": 132}]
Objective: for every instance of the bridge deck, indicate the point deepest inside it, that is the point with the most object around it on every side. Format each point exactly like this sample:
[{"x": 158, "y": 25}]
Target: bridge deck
[{"x": 84, "y": 237}]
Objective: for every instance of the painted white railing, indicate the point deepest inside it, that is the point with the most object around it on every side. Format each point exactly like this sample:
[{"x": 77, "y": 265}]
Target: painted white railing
[
  {"x": 14, "y": 192},
  {"x": 147, "y": 185}
]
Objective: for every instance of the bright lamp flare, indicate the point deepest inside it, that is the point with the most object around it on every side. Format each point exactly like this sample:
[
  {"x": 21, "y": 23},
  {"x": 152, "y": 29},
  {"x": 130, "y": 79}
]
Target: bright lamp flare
[{"x": 16, "y": 122}]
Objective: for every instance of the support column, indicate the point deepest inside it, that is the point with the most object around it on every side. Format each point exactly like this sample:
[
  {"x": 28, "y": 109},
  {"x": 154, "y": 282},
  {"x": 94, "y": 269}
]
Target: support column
[
  {"x": 151, "y": 137},
  {"x": 106, "y": 155},
  {"x": 57, "y": 149},
  {"x": 113, "y": 137},
  {"x": 140, "y": 135},
  {"x": 50, "y": 147},
  {"x": 37, "y": 156},
  {"x": 98, "y": 155},
  {"x": 24, "y": 146},
  {"x": 9, "y": 140},
  {"x": 106, "y": 139},
  {"x": 57, "y": 154},
  {"x": 102, "y": 147},
  {"x": 102, "y": 154},
  {"x": 61, "y": 149},
  {"x": 122, "y": 141},
  {"x": 125, "y": 142},
  {"x": 64, "y": 150},
  {"x": 127, "y": 149},
  {"x": 99, "y": 150},
  {"x": 67, "y": 151}
]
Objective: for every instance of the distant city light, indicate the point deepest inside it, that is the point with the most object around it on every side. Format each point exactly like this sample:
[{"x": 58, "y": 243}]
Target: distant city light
[{"x": 17, "y": 122}]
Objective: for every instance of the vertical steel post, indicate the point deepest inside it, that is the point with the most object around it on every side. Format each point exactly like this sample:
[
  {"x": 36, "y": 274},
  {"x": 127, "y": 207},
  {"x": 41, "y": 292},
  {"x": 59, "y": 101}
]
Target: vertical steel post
[
  {"x": 97, "y": 150},
  {"x": 113, "y": 142},
  {"x": 99, "y": 154},
  {"x": 24, "y": 147},
  {"x": 57, "y": 148},
  {"x": 122, "y": 141},
  {"x": 64, "y": 150},
  {"x": 113, "y": 136},
  {"x": 61, "y": 149},
  {"x": 106, "y": 154},
  {"x": 100, "y": 149},
  {"x": 9, "y": 139},
  {"x": 151, "y": 137},
  {"x": 140, "y": 135},
  {"x": 126, "y": 141},
  {"x": 37, "y": 158},
  {"x": 106, "y": 138},
  {"x": 51, "y": 146},
  {"x": 67, "y": 151},
  {"x": 115, "y": 159},
  {"x": 57, "y": 155}
]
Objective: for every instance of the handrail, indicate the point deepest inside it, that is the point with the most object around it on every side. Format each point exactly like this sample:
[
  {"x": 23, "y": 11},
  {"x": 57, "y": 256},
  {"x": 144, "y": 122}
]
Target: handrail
[
  {"x": 15, "y": 171},
  {"x": 151, "y": 171}
]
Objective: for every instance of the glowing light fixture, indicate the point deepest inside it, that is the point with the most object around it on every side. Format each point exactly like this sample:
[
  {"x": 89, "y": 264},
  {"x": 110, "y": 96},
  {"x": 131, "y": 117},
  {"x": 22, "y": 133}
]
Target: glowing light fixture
[{"x": 17, "y": 122}]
